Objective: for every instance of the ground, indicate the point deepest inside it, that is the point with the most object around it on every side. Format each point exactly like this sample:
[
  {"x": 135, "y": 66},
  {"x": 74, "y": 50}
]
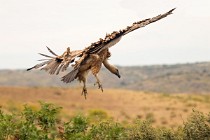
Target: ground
[{"x": 161, "y": 109}]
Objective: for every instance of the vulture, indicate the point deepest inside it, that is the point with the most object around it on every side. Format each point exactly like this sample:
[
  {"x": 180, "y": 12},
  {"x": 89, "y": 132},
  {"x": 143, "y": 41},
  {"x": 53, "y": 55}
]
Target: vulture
[{"x": 91, "y": 58}]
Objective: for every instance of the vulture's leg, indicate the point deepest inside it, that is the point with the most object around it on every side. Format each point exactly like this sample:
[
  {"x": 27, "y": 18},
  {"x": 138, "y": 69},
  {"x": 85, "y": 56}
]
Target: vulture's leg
[
  {"x": 98, "y": 82},
  {"x": 84, "y": 90},
  {"x": 95, "y": 68}
]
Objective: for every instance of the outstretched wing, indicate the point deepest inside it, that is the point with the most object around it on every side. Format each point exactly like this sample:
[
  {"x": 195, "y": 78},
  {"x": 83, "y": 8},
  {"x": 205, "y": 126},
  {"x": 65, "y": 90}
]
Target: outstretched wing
[
  {"x": 55, "y": 64},
  {"x": 109, "y": 41},
  {"x": 113, "y": 38}
]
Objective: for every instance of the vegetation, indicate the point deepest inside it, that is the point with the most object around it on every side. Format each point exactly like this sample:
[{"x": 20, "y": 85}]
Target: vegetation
[
  {"x": 168, "y": 110},
  {"x": 45, "y": 123}
]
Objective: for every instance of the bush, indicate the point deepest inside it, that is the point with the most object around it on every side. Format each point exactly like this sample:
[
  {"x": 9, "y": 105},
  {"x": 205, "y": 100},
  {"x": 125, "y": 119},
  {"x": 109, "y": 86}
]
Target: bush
[
  {"x": 197, "y": 127},
  {"x": 141, "y": 130},
  {"x": 97, "y": 115},
  {"x": 7, "y": 126},
  {"x": 75, "y": 128},
  {"x": 107, "y": 131},
  {"x": 168, "y": 134},
  {"x": 30, "y": 124},
  {"x": 44, "y": 124}
]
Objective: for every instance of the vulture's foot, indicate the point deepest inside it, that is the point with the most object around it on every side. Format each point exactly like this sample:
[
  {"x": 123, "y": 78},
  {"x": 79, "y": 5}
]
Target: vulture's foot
[
  {"x": 99, "y": 85},
  {"x": 84, "y": 92}
]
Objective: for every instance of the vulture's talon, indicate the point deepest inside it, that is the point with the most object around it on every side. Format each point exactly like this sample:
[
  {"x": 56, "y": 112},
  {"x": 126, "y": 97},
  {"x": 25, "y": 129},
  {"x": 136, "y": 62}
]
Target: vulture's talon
[{"x": 84, "y": 92}]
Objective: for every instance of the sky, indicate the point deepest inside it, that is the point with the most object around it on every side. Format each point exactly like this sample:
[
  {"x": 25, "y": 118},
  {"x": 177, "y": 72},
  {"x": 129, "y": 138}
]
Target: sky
[{"x": 27, "y": 26}]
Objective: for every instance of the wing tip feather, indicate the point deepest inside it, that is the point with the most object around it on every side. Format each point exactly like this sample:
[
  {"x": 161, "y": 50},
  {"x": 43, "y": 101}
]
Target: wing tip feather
[
  {"x": 171, "y": 11},
  {"x": 29, "y": 69}
]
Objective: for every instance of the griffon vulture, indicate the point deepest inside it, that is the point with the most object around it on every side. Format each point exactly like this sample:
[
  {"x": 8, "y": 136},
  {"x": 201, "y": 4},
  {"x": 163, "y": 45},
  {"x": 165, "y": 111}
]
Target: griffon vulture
[{"x": 91, "y": 58}]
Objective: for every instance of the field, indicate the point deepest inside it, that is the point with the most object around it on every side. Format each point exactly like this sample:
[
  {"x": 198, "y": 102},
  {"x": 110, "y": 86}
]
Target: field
[{"x": 169, "y": 110}]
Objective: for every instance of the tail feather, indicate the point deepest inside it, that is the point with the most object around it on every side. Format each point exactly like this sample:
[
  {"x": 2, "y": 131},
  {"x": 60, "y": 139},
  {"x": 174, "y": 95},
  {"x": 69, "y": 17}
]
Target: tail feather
[{"x": 70, "y": 76}]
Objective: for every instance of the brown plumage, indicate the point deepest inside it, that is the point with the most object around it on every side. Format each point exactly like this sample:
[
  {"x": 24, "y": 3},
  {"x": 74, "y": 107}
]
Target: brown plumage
[{"x": 92, "y": 57}]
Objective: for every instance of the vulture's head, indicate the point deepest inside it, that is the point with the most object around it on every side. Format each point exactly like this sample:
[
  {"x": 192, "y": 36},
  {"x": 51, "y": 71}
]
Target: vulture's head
[{"x": 116, "y": 72}]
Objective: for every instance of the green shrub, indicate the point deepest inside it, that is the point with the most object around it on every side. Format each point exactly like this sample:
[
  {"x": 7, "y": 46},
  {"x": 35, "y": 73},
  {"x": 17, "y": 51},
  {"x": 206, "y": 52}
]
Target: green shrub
[
  {"x": 150, "y": 117},
  {"x": 107, "y": 131},
  {"x": 141, "y": 130},
  {"x": 167, "y": 134},
  {"x": 75, "y": 128},
  {"x": 7, "y": 126},
  {"x": 197, "y": 127},
  {"x": 97, "y": 115},
  {"x": 44, "y": 124},
  {"x": 30, "y": 124}
]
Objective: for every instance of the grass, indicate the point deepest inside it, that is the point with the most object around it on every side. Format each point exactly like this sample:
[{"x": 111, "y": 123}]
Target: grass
[{"x": 162, "y": 110}]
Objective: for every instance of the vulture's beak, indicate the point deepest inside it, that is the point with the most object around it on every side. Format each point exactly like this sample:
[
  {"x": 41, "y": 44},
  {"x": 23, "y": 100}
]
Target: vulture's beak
[{"x": 118, "y": 74}]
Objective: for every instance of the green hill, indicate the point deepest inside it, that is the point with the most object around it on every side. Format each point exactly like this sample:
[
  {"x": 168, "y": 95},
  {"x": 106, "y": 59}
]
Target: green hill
[{"x": 179, "y": 78}]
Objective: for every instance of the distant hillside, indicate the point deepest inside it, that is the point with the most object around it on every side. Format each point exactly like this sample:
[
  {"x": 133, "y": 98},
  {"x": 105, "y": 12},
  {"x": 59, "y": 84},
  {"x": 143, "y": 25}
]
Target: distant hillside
[{"x": 180, "y": 78}]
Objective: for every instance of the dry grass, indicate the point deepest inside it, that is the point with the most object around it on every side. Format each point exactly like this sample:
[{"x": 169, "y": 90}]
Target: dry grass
[{"x": 122, "y": 105}]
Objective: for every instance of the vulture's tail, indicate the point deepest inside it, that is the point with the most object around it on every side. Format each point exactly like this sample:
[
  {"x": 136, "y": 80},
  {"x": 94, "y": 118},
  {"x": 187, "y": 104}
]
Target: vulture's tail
[{"x": 70, "y": 76}]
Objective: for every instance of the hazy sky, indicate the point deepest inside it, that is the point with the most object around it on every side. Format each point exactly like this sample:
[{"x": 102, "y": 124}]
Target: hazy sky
[{"x": 27, "y": 26}]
